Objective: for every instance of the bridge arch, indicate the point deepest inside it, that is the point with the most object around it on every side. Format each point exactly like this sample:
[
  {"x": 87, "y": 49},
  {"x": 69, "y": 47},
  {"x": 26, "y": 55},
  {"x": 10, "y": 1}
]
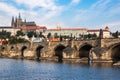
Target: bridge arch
[
  {"x": 84, "y": 50},
  {"x": 38, "y": 51},
  {"x": 59, "y": 52},
  {"x": 115, "y": 52},
  {"x": 22, "y": 50}
]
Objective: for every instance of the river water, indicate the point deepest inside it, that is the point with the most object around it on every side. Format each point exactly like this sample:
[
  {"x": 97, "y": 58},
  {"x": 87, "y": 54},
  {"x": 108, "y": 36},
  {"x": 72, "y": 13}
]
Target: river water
[{"x": 11, "y": 69}]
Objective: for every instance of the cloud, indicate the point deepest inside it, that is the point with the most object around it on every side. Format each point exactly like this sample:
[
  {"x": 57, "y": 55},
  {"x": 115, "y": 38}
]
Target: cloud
[
  {"x": 100, "y": 5},
  {"x": 114, "y": 26},
  {"x": 75, "y": 1},
  {"x": 101, "y": 12},
  {"x": 46, "y": 4},
  {"x": 49, "y": 13},
  {"x": 6, "y": 8},
  {"x": 47, "y": 9}
]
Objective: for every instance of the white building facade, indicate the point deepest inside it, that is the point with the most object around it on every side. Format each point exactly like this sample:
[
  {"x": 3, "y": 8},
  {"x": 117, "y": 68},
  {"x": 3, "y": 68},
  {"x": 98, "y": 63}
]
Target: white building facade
[
  {"x": 10, "y": 29},
  {"x": 71, "y": 32},
  {"x": 106, "y": 32}
]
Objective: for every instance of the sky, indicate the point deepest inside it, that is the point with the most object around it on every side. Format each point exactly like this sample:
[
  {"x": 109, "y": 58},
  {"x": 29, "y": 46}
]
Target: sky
[{"x": 91, "y": 14}]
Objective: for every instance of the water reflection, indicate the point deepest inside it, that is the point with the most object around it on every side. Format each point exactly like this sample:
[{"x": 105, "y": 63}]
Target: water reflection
[{"x": 32, "y": 70}]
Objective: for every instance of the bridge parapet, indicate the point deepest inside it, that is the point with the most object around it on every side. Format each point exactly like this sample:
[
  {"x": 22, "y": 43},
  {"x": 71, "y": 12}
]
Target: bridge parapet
[{"x": 109, "y": 42}]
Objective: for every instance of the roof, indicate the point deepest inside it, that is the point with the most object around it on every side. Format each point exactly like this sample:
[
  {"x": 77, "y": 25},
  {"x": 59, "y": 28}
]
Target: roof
[
  {"x": 29, "y": 23},
  {"x": 97, "y": 30},
  {"x": 32, "y": 27},
  {"x": 29, "y": 28},
  {"x": 41, "y": 27},
  {"x": 5, "y": 27},
  {"x": 59, "y": 29}
]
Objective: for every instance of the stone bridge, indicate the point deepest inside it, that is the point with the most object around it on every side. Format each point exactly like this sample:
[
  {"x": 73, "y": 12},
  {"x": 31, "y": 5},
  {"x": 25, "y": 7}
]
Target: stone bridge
[{"x": 97, "y": 50}]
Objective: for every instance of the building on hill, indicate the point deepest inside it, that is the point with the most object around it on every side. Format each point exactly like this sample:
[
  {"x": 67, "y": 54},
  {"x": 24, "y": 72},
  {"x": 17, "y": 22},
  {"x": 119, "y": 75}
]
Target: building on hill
[
  {"x": 18, "y": 22},
  {"x": 26, "y": 29},
  {"x": 71, "y": 32},
  {"x": 9, "y": 29},
  {"x": 106, "y": 32},
  {"x": 27, "y": 26},
  {"x": 76, "y": 32}
]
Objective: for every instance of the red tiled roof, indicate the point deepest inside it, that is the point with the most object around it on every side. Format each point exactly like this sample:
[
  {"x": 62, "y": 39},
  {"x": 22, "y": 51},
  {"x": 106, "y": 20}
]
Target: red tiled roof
[
  {"x": 97, "y": 30},
  {"x": 41, "y": 27},
  {"x": 29, "y": 28},
  {"x": 32, "y": 27},
  {"x": 58, "y": 29}
]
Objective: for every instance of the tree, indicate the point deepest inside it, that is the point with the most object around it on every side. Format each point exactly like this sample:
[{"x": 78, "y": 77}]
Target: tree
[
  {"x": 20, "y": 33},
  {"x": 40, "y": 35},
  {"x": 94, "y": 36},
  {"x": 30, "y": 34},
  {"x": 49, "y": 35},
  {"x": 14, "y": 40},
  {"x": 61, "y": 38},
  {"x": 35, "y": 34},
  {"x": 56, "y": 35},
  {"x": 89, "y": 35},
  {"x": 116, "y": 34},
  {"x": 4, "y": 34}
]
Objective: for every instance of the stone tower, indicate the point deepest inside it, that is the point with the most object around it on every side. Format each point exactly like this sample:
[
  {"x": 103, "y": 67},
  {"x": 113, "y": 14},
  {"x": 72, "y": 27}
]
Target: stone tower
[
  {"x": 16, "y": 22},
  {"x": 100, "y": 38},
  {"x": 19, "y": 21},
  {"x": 12, "y": 23}
]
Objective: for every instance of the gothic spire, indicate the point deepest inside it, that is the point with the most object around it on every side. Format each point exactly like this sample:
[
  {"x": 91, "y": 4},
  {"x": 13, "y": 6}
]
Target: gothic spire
[
  {"x": 19, "y": 17},
  {"x": 12, "y": 22}
]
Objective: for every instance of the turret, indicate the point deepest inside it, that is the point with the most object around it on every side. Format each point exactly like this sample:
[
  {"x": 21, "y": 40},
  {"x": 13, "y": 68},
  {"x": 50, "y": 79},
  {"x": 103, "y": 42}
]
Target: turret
[{"x": 107, "y": 28}]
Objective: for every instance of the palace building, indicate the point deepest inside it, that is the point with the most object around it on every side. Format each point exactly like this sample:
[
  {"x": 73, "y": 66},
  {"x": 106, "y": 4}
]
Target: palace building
[
  {"x": 76, "y": 32},
  {"x": 71, "y": 32},
  {"x": 106, "y": 32}
]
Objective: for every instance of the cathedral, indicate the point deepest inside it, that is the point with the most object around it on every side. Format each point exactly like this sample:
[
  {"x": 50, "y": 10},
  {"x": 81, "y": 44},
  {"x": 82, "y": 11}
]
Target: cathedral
[{"x": 18, "y": 22}]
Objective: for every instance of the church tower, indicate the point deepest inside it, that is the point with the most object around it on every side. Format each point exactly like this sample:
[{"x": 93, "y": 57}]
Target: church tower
[
  {"x": 19, "y": 21},
  {"x": 16, "y": 22},
  {"x": 12, "y": 23}
]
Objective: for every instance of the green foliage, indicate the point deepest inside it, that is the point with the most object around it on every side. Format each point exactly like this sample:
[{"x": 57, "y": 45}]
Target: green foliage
[
  {"x": 61, "y": 38},
  {"x": 89, "y": 36},
  {"x": 35, "y": 35},
  {"x": 41, "y": 35},
  {"x": 49, "y": 35},
  {"x": 94, "y": 36},
  {"x": 20, "y": 33},
  {"x": 56, "y": 35},
  {"x": 30, "y": 34},
  {"x": 65, "y": 37},
  {"x": 116, "y": 34},
  {"x": 4, "y": 34},
  {"x": 14, "y": 40}
]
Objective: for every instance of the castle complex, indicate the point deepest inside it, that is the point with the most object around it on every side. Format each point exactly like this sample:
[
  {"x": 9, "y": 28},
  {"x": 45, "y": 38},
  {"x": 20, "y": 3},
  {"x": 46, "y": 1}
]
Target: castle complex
[{"x": 18, "y": 24}]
